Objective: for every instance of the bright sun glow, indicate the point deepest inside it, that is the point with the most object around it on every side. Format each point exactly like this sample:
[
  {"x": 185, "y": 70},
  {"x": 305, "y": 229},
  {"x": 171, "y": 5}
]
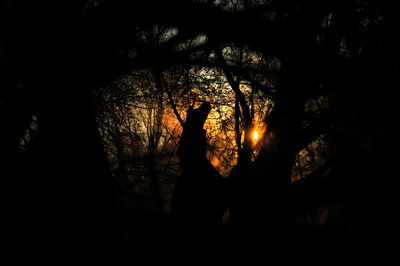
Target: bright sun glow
[{"x": 255, "y": 135}]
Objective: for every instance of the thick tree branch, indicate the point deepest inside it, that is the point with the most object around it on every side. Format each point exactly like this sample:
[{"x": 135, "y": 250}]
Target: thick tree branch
[{"x": 319, "y": 125}]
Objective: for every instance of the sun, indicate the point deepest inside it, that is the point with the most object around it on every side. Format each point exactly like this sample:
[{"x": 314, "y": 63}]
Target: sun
[{"x": 255, "y": 136}]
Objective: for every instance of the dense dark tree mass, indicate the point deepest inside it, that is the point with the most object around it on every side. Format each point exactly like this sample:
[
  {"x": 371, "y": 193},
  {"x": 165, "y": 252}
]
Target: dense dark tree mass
[{"x": 268, "y": 122}]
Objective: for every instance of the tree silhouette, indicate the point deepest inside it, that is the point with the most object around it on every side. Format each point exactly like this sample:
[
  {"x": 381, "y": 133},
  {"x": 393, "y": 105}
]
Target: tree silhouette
[{"x": 322, "y": 77}]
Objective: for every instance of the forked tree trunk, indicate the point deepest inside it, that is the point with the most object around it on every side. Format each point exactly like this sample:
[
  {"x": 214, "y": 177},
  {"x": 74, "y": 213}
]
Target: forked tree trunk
[{"x": 197, "y": 202}]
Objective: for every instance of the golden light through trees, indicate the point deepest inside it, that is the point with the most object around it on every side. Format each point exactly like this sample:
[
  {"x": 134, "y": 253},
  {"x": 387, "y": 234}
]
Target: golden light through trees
[
  {"x": 139, "y": 123},
  {"x": 255, "y": 136},
  {"x": 156, "y": 103}
]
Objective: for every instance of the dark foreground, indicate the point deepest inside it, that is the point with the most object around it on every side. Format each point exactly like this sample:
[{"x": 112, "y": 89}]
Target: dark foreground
[{"x": 152, "y": 238}]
